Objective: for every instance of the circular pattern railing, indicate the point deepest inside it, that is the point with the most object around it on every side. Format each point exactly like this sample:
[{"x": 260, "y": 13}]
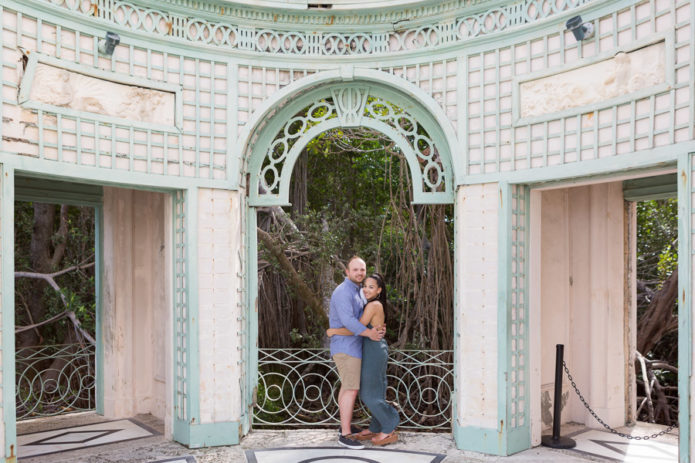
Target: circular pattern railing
[
  {"x": 353, "y": 106},
  {"x": 299, "y": 387},
  {"x": 395, "y": 35},
  {"x": 55, "y": 379}
]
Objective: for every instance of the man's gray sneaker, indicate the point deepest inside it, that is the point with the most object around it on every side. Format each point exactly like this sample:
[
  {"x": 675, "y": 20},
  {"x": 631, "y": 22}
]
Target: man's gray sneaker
[{"x": 349, "y": 443}]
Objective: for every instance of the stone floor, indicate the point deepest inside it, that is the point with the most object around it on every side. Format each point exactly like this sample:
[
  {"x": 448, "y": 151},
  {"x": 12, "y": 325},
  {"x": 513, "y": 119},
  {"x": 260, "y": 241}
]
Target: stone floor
[{"x": 157, "y": 448}]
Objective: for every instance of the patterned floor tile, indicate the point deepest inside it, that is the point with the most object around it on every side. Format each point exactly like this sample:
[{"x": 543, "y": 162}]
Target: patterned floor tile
[
  {"x": 607, "y": 445},
  {"x": 175, "y": 460},
  {"x": 339, "y": 455},
  {"x": 90, "y": 435}
]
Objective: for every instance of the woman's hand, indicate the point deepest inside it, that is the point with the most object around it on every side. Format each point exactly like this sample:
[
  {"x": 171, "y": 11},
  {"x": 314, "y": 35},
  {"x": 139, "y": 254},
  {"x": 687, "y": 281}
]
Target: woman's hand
[{"x": 329, "y": 332}]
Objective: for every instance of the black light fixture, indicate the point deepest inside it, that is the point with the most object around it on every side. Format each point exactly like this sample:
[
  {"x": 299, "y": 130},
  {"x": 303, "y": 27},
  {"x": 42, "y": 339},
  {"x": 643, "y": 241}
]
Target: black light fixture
[
  {"x": 579, "y": 29},
  {"x": 108, "y": 43}
]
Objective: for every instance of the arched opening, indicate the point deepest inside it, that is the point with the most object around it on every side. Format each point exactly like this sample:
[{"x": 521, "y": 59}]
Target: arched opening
[{"x": 278, "y": 146}]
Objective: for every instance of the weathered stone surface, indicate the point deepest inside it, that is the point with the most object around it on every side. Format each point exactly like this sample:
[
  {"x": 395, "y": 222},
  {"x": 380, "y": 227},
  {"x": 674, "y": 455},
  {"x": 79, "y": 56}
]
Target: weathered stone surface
[
  {"x": 158, "y": 448},
  {"x": 623, "y": 74},
  {"x": 60, "y": 87}
]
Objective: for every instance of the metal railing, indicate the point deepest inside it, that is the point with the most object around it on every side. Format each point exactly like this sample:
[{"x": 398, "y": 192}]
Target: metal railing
[
  {"x": 299, "y": 387},
  {"x": 54, "y": 380}
]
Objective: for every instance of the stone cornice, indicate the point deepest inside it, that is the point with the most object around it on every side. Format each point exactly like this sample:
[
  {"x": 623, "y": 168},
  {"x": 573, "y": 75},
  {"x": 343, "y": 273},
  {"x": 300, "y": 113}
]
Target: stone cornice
[
  {"x": 423, "y": 11},
  {"x": 440, "y": 24}
]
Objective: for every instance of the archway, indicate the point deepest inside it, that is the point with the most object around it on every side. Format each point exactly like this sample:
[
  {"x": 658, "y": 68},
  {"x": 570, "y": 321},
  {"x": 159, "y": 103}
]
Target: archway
[{"x": 273, "y": 147}]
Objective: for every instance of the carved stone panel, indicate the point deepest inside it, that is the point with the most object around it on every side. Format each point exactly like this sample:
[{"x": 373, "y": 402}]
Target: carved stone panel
[
  {"x": 623, "y": 74},
  {"x": 60, "y": 87}
]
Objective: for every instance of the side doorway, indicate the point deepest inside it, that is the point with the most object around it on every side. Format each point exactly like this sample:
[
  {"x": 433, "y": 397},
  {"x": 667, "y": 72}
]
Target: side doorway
[
  {"x": 57, "y": 297},
  {"x": 119, "y": 366},
  {"x": 583, "y": 295}
]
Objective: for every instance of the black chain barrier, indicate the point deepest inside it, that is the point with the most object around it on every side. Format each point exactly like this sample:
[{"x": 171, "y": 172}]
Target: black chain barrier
[{"x": 613, "y": 431}]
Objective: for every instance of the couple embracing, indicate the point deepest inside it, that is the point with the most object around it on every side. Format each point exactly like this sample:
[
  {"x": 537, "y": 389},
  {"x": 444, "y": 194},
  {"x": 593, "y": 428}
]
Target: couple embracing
[{"x": 357, "y": 326}]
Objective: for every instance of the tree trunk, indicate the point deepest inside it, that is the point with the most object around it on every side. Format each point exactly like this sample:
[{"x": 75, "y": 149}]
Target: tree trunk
[
  {"x": 658, "y": 320},
  {"x": 298, "y": 192},
  {"x": 46, "y": 252},
  {"x": 40, "y": 261},
  {"x": 304, "y": 293}
]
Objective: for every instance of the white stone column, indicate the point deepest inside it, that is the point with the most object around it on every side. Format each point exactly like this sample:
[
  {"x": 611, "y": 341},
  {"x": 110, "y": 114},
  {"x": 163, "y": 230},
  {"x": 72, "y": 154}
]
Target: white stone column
[
  {"x": 477, "y": 209},
  {"x": 219, "y": 283}
]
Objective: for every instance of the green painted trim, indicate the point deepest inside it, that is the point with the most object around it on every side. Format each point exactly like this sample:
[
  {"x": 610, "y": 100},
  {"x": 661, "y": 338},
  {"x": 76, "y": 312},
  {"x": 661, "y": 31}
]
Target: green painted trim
[
  {"x": 89, "y": 116},
  {"x": 251, "y": 360},
  {"x": 180, "y": 432},
  {"x": 412, "y": 98},
  {"x": 193, "y": 374},
  {"x": 473, "y": 439},
  {"x": 461, "y": 151},
  {"x": 519, "y": 438},
  {"x": 589, "y": 12},
  {"x": 57, "y": 192},
  {"x": 182, "y": 428},
  {"x": 214, "y": 434},
  {"x": 457, "y": 333},
  {"x": 421, "y": 107},
  {"x": 98, "y": 287},
  {"x": 7, "y": 306},
  {"x": 234, "y": 151},
  {"x": 685, "y": 346},
  {"x": 419, "y": 196},
  {"x": 69, "y": 20},
  {"x": 295, "y": 15},
  {"x": 504, "y": 278},
  {"x": 642, "y": 189},
  {"x": 2, "y": 66},
  {"x": 648, "y": 160},
  {"x": 546, "y": 25},
  {"x": 32, "y": 167}
]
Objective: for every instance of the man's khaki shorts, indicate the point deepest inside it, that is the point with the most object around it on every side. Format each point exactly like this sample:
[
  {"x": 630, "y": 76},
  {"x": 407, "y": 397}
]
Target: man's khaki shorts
[{"x": 349, "y": 370}]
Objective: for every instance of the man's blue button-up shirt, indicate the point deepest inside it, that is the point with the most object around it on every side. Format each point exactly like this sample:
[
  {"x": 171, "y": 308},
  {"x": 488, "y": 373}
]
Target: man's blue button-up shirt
[{"x": 345, "y": 311}]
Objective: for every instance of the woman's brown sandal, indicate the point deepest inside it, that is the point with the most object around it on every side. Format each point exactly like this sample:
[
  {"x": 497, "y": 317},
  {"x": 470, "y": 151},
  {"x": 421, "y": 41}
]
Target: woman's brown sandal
[
  {"x": 389, "y": 439},
  {"x": 362, "y": 435}
]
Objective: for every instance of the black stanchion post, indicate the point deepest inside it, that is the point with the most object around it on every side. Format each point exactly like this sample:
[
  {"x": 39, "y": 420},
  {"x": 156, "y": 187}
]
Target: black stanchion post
[{"x": 555, "y": 441}]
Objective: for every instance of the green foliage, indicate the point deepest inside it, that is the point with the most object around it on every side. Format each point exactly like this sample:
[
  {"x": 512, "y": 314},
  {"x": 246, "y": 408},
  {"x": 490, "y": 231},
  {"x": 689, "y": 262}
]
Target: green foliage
[
  {"x": 358, "y": 195},
  {"x": 657, "y": 258},
  {"x": 657, "y": 240},
  {"x": 310, "y": 340},
  {"x": 78, "y": 286}
]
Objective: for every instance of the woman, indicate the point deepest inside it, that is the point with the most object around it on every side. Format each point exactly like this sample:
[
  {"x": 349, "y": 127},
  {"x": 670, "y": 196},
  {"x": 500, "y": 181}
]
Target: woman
[{"x": 374, "y": 359}]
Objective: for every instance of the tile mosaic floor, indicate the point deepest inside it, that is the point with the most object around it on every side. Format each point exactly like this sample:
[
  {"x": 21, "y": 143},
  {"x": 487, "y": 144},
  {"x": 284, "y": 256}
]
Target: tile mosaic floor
[
  {"x": 175, "y": 460},
  {"x": 77, "y": 437},
  {"x": 339, "y": 455},
  {"x": 607, "y": 445}
]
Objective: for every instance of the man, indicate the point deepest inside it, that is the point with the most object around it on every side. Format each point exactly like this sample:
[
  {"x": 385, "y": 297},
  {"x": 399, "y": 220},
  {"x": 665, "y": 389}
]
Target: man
[{"x": 346, "y": 308}]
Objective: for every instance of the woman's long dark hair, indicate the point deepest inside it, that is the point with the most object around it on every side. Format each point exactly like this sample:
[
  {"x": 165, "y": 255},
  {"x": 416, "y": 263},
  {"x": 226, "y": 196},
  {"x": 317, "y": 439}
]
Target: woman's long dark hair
[{"x": 376, "y": 276}]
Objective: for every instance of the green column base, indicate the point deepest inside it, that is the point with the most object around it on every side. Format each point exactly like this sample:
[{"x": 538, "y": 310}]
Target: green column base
[
  {"x": 209, "y": 434},
  {"x": 490, "y": 441}
]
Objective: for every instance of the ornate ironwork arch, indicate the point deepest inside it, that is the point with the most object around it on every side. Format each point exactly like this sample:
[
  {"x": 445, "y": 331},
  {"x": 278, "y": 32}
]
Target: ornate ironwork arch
[{"x": 367, "y": 104}]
